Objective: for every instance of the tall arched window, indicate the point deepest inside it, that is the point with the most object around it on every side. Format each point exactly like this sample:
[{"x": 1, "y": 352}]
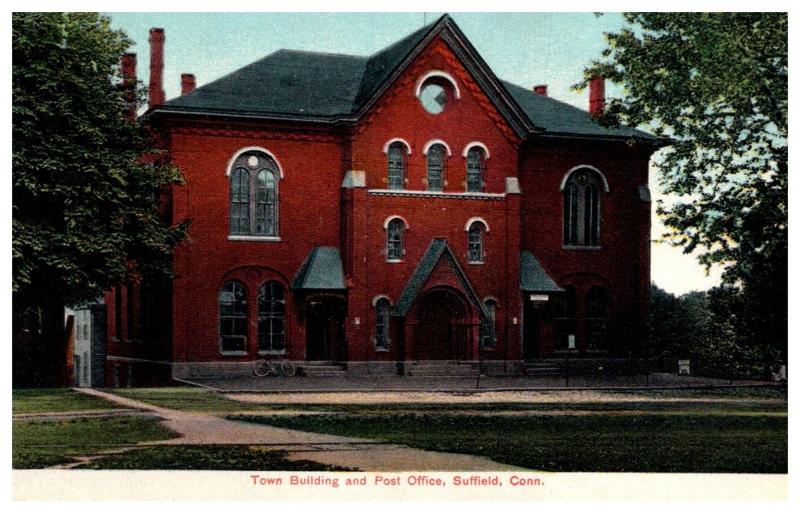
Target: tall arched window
[
  {"x": 475, "y": 242},
  {"x": 271, "y": 318},
  {"x": 254, "y": 195},
  {"x": 394, "y": 239},
  {"x": 381, "y": 336},
  {"x": 436, "y": 166},
  {"x": 397, "y": 166},
  {"x": 596, "y": 316},
  {"x": 233, "y": 318},
  {"x": 582, "y": 208},
  {"x": 566, "y": 327},
  {"x": 489, "y": 325},
  {"x": 475, "y": 167}
]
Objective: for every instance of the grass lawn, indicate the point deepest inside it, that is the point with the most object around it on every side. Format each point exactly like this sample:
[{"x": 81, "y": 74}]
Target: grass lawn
[
  {"x": 43, "y": 444},
  {"x": 206, "y": 457},
  {"x": 599, "y": 442},
  {"x": 55, "y": 400}
]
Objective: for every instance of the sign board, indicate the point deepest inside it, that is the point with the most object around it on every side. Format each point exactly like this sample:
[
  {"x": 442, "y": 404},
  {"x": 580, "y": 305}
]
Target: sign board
[
  {"x": 571, "y": 341},
  {"x": 683, "y": 367},
  {"x": 539, "y": 297}
]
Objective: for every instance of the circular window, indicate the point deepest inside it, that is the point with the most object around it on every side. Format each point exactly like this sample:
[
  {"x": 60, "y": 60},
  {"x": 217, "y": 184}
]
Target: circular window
[{"x": 433, "y": 98}]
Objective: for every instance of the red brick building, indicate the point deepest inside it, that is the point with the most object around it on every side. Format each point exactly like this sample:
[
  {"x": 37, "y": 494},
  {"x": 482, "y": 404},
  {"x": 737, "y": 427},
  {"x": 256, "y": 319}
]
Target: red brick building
[{"x": 376, "y": 212}]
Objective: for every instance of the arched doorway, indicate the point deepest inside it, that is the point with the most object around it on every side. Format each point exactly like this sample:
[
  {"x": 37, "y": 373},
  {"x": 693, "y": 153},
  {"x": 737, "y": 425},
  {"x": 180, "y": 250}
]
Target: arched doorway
[
  {"x": 443, "y": 330},
  {"x": 325, "y": 335}
]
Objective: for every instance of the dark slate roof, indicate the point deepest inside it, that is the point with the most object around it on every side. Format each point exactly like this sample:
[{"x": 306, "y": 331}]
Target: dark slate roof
[
  {"x": 557, "y": 117},
  {"x": 380, "y": 65},
  {"x": 329, "y": 87},
  {"x": 322, "y": 269},
  {"x": 437, "y": 249},
  {"x": 533, "y": 277},
  {"x": 286, "y": 82}
]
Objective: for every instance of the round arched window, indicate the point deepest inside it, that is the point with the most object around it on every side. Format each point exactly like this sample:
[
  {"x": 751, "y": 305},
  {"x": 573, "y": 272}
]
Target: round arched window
[{"x": 433, "y": 96}]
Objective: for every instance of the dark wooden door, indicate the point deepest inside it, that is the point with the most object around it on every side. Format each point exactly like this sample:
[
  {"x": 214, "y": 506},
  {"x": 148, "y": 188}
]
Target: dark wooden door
[
  {"x": 437, "y": 334},
  {"x": 530, "y": 331},
  {"x": 325, "y": 338}
]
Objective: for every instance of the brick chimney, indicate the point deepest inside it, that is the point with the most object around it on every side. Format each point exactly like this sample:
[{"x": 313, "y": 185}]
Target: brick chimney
[
  {"x": 128, "y": 65},
  {"x": 188, "y": 83},
  {"x": 541, "y": 89},
  {"x": 597, "y": 96},
  {"x": 156, "y": 90}
]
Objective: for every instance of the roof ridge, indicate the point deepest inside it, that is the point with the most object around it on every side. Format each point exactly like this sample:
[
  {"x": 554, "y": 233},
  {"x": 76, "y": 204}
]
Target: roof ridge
[{"x": 317, "y": 52}]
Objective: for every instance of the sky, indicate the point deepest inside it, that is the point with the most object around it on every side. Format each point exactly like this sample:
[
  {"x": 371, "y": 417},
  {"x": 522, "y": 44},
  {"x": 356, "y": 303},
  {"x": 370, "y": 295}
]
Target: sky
[{"x": 523, "y": 48}]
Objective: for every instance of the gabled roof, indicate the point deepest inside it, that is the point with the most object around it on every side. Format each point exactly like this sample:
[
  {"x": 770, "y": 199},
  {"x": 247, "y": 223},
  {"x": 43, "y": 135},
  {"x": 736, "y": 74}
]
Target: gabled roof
[
  {"x": 337, "y": 88},
  {"x": 533, "y": 277},
  {"x": 322, "y": 269},
  {"x": 437, "y": 250}
]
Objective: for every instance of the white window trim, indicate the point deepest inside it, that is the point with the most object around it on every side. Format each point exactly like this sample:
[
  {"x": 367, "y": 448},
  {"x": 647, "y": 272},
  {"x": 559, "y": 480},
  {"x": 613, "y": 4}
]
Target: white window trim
[
  {"x": 584, "y": 166},
  {"x": 389, "y": 219},
  {"x": 476, "y": 144},
  {"x": 254, "y": 238},
  {"x": 393, "y": 140},
  {"x": 478, "y": 220},
  {"x": 378, "y": 297},
  {"x": 243, "y": 150},
  {"x": 430, "y": 143},
  {"x": 437, "y": 73},
  {"x": 430, "y": 193}
]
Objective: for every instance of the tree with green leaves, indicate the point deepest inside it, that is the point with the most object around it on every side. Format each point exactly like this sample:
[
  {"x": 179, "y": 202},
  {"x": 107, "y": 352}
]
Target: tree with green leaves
[
  {"x": 716, "y": 84},
  {"x": 84, "y": 213}
]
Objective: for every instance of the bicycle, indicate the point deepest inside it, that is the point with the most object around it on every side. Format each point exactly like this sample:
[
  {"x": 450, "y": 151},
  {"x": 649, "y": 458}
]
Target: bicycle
[{"x": 265, "y": 368}]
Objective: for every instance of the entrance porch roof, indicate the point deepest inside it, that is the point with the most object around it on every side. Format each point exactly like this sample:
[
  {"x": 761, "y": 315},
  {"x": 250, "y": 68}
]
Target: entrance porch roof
[
  {"x": 533, "y": 277},
  {"x": 437, "y": 250},
  {"x": 322, "y": 269}
]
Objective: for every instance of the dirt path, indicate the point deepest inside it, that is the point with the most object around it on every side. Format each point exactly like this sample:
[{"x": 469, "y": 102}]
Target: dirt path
[
  {"x": 366, "y": 455},
  {"x": 560, "y": 397}
]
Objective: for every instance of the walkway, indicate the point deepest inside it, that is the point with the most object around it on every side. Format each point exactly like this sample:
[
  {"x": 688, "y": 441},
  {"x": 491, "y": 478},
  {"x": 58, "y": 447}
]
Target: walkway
[
  {"x": 461, "y": 384},
  {"x": 354, "y": 453}
]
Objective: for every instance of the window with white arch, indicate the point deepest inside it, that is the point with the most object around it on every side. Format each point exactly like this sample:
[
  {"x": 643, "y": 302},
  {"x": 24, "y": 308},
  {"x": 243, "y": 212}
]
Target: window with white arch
[
  {"x": 582, "y": 202},
  {"x": 475, "y": 233},
  {"x": 254, "y": 195},
  {"x": 437, "y": 154},
  {"x": 397, "y": 165},
  {"x": 395, "y": 235},
  {"x": 476, "y": 164}
]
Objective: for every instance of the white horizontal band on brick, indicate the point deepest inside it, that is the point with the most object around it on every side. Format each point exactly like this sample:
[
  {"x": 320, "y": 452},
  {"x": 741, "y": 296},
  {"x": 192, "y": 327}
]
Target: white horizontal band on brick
[{"x": 427, "y": 193}]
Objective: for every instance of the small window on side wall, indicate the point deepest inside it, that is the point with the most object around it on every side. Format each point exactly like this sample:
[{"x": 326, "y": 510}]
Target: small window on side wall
[
  {"x": 395, "y": 231},
  {"x": 489, "y": 325},
  {"x": 475, "y": 167},
  {"x": 397, "y": 166},
  {"x": 381, "y": 336},
  {"x": 436, "y": 167},
  {"x": 475, "y": 242}
]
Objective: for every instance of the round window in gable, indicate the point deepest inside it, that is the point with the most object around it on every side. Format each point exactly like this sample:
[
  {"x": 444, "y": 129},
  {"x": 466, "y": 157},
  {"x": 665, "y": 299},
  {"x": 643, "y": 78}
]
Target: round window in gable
[{"x": 433, "y": 97}]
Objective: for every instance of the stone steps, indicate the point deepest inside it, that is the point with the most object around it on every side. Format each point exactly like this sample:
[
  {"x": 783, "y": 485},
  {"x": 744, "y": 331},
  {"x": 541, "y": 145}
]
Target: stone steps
[
  {"x": 541, "y": 369},
  {"x": 321, "y": 370}
]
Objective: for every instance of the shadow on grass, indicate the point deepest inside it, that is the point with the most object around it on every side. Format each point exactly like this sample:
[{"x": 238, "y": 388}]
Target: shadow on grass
[{"x": 575, "y": 443}]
